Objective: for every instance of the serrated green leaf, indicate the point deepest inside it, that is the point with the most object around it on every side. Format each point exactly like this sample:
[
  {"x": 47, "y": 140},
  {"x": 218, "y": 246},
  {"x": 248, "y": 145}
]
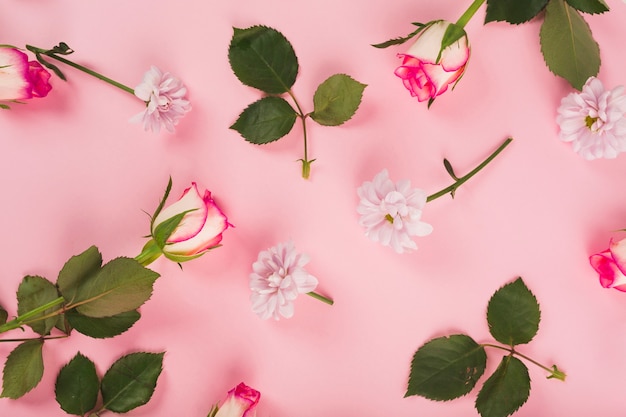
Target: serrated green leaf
[
  {"x": 265, "y": 120},
  {"x": 102, "y": 327},
  {"x": 121, "y": 285},
  {"x": 513, "y": 11},
  {"x": 506, "y": 390},
  {"x": 34, "y": 292},
  {"x": 567, "y": 44},
  {"x": 403, "y": 39},
  {"x": 77, "y": 386},
  {"x": 513, "y": 314},
  {"x": 446, "y": 368},
  {"x": 589, "y": 6},
  {"x": 336, "y": 100},
  {"x": 23, "y": 369},
  {"x": 261, "y": 57},
  {"x": 77, "y": 271},
  {"x": 131, "y": 380},
  {"x": 3, "y": 315}
]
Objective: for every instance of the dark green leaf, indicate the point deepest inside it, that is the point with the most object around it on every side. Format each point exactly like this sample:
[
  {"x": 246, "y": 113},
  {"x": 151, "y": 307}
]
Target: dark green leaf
[
  {"x": 401, "y": 40},
  {"x": 336, "y": 100},
  {"x": 506, "y": 390},
  {"x": 23, "y": 369},
  {"x": 446, "y": 368},
  {"x": 513, "y": 11},
  {"x": 77, "y": 386},
  {"x": 121, "y": 285},
  {"x": 162, "y": 202},
  {"x": 449, "y": 169},
  {"x": 589, "y": 6},
  {"x": 102, "y": 327},
  {"x": 77, "y": 271},
  {"x": 131, "y": 380},
  {"x": 513, "y": 314},
  {"x": 567, "y": 44},
  {"x": 3, "y": 315},
  {"x": 261, "y": 57},
  {"x": 265, "y": 120},
  {"x": 34, "y": 292}
]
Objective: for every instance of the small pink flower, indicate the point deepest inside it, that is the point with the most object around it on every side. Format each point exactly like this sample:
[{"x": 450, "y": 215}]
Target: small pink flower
[
  {"x": 593, "y": 120},
  {"x": 241, "y": 402},
  {"x": 165, "y": 100},
  {"x": 278, "y": 277},
  {"x": 421, "y": 73},
  {"x": 20, "y": 79},
  {"x": 611, "y": 265}
]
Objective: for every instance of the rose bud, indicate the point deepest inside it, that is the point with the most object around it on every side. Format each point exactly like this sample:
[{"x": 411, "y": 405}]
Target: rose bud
[{"x": 611, "y": 265}]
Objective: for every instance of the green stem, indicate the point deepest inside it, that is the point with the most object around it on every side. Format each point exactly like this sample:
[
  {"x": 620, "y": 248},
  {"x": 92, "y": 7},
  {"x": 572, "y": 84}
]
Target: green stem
[
  {"x": 320, "y": 297},
  {"x": 25, "y": 318},
  {"x": 99, "y": 76},
  {"x": 554, "y": 371},
  {"x": 306, "y": 164},
  {"x": 452, "y": 188},
  {"x": 469, "y": 13},
  {"x": 150, "y": 253}
]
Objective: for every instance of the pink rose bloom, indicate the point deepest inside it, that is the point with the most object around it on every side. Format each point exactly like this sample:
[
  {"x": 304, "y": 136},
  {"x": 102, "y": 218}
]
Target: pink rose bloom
[
  {"x": 611, "y": 265},
  {"x": 20, "y": 79},
  {"x": 200, "y": 229},
  {"x": 241, "y": 402},
  {"x": 421, "y": 74}
]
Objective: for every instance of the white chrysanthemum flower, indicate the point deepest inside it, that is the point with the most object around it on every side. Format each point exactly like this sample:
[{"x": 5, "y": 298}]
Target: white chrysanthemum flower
[
  {"x": 165, "y": 100},
  {"x": 278, "y": 277},
  {"x": 391, "y": 212},
  {"x": 593, "y": 120}
]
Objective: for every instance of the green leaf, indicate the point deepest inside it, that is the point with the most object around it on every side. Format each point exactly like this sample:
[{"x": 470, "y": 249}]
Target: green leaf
[
  {"x": 102, "y": 327},
  {"x": 77, "y": 271},
  {"x": 121, "y": 285},
  {"x": 265, "y": 120},
  {"x": 3, "y": 315},
  {"x": 513, "y": 314},
  {"x": 261, "y": 57},
  {"x": 23, "y": 369},
  {"x": 336, "y": 100},
  {"x": 513, "y": 11},
  {"x": 589, "y": 6},
  {"x": 131, "y": 380},
  {"x": 401, "y": 40},
  {"x": 5, "y": 106},
  {"x": 34, "y": 292},
  {"x": 446, "y": 368},
  {"x": 449, "y": 169},
  {"x": 506, "y": 390},
  {"x": 567, "y": 44},
  {"x": 77, "y": 386}
]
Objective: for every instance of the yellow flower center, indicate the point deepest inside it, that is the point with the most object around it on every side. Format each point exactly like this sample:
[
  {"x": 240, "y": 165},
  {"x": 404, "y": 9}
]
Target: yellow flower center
[
  {"x": 589, "y": 121},
  {"x": 389, "y": 218}
]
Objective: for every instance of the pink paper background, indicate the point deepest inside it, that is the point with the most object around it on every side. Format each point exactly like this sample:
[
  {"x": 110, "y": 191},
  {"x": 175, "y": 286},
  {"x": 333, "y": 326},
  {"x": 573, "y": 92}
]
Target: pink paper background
[{"x": 75, "y": 173}]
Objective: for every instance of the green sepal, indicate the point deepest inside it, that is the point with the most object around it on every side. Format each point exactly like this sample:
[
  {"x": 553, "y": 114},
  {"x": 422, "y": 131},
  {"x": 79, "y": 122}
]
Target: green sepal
[
  {"x": 213, "y": 411},
  {"x": 589, "y": 6},
  {"x": 3, "y": 315},
  {"x": 102, "y": 327},
  {"x": 513, "y": 11},
  {"x": 34, "y": 292},
  {"x": 506, "y": 390},
  {"x": 168, "y": 189},
  {"x": 164, "y": 230},
  {"x": 266, "y": 120},
  {"x": 5, "y": 106},
  {"x": 403, "y": 39},
  {"x": 23, "y": 369},
  {"x": 453, "y": 33},
  {"x": 77, "y": 386},
  {"x": 445, "y": 368},
  {"x": 336, "y": 100}
]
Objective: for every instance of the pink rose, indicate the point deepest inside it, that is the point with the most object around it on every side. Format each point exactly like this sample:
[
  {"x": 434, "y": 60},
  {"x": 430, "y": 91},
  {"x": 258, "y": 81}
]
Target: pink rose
[
  {"x": 425, "y": 76},
  {"x": 20, "y": 79},
  {"x": 611, "y": 265},
  {"x": 241, "y": 402}
]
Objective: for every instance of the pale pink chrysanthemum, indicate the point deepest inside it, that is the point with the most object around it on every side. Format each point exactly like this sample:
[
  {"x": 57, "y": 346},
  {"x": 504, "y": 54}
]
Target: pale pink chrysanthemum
[
  {"x": 165, "y": 100},
  {"x": 593, "y": 120},
  {"x": 278, "y": 277},
  {"x": 391, "y": 212}
]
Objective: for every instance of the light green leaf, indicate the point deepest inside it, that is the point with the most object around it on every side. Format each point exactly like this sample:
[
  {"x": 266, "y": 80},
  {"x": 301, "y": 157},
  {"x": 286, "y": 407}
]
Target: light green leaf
[
  {"x": 23, "y": 369},
  {"x": 567, "y": 44},
  {"x": 513, "y": 11},
  {"x": 77, "y": 271},
  {"x": 446, "y": 368},
  {"x": 131, "y": 380},
  {"x": 261, "y": 57},
  {"x": 77, "y": 386},
  {"x": 102, "y": 327},
  {"x": 121, "y": 285},
  {"x": 336, "y": 100},
  {"x": 34, "y": 292},
  {"x": 265, "y": 120},
  {"x": 589, "y": 6},
  {"x": 506, "y": 390},
  {"x": 513, "y": 314}
]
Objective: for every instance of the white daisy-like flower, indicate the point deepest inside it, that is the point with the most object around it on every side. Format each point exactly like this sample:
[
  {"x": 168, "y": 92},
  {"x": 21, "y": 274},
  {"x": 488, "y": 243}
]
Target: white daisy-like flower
[
  {"x": 278, "y": 277},
  {"x": 593, "y": 120},
  {"x": 391, "y": 212}
]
